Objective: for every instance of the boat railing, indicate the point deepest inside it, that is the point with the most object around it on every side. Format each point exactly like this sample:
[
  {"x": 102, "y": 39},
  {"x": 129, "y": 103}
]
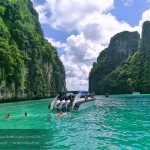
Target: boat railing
[
  {"x": 53, "y": 102},
  {"x": 76, "y": 99}
]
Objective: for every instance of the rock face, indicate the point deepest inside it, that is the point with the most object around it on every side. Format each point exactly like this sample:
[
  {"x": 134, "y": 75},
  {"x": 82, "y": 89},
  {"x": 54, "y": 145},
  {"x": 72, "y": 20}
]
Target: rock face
[
  {"x": 29, "y": 64},
  {"x": 122, "y": 46}
]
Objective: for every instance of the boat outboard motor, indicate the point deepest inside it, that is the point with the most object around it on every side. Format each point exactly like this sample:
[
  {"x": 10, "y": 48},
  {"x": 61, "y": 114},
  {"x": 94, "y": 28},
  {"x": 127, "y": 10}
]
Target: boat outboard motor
[
  {"x": 63, "y": 101},
  {"x": 57, "y": 103},
  {"x": 61, "y": 104},
  {"x": 64, "y": 105},
  {"x": 67, "y": 104}
]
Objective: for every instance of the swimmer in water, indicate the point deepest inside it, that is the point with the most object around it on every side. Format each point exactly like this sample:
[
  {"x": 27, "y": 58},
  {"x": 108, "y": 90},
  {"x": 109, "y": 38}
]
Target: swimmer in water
[
  {"x": 59, "y": 114},
  {"x": 8, "y": 116},
  {"x": 25, "y": 114}
]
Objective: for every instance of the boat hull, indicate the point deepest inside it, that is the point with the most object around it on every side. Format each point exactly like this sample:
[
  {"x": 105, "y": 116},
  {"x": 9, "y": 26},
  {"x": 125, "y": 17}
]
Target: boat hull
[{"x": 83, "y": 104}]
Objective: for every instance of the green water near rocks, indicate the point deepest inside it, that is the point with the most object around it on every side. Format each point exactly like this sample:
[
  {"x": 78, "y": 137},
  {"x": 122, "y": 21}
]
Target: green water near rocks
[{"x": 116, "y": 122}]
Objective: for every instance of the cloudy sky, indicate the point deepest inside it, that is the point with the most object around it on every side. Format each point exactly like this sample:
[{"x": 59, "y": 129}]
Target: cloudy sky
[{"x": 81, "y": 29}]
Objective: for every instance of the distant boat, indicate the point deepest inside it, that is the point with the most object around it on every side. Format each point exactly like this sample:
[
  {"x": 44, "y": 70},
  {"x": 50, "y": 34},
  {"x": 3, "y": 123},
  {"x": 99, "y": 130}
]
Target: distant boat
[
  {"x": 135, "y": 93},
  {"x": 71, "y": 100},
  {"x": 106, "y": 94}
]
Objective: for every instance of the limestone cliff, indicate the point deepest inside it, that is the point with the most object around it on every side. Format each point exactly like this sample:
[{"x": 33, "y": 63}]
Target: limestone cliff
[
  {"x": 122, "y": 46},
  {"x": 29, "y": 64}
]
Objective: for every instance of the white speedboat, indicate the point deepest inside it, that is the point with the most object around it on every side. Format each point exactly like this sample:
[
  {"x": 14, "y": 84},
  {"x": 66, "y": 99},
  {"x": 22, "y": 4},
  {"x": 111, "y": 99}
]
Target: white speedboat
[
  {"x": 135, "y": 93},
  {"x": 71, "y": 100}
]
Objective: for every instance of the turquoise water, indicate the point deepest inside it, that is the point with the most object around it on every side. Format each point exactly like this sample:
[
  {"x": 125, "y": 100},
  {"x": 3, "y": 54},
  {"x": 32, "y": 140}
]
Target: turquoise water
[{"x": 117, "y": 122}]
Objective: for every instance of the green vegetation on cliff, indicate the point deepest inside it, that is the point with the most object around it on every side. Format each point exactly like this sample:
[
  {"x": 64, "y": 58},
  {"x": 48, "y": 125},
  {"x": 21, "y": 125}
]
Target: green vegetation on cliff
[
  {"x": 122, "y": 46},
  {"x": 134, "y": 73},
  {"x": 119, "y": 74},
  {"x": 29, "y": 64}
]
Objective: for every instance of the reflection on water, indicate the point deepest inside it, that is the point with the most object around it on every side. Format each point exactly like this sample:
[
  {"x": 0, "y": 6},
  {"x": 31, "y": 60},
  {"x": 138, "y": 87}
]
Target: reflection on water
[{"x": 115, "y": 122}]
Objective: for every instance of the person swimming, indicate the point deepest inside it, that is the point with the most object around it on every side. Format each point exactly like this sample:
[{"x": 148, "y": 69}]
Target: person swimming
[
  {"x": 8, "y": 116},
  {"x": 25, "y": 114},
  {"x": 59, "y": 114}
]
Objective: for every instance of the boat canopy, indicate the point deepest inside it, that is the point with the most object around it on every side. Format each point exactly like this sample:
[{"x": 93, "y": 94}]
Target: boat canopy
[
  {"x": 65, "y": 92},
  {"x": 74, "y": 92},
  {"x": 83, "y": 92}
]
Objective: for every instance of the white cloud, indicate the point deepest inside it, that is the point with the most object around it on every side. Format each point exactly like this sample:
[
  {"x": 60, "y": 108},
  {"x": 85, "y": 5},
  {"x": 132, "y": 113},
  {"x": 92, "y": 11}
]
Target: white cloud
[
  {"x": 77, "y": 75},
  {"x": 145, "y": 17},
  {"x": 78, "y": 54},
  {"x": 56, "y": 44},
  {"x": 100, "y": 27},
  {"x": 94, "y": 25},
  {"x": 127, "y": 2},
  {"x": 69, "y": 14},
  {"x": 43, "y": 11},
  {"x": 82, "y": 49}
]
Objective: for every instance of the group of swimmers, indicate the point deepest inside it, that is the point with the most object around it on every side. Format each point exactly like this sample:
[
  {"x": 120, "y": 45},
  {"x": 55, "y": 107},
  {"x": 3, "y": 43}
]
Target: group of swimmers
[{"x": 8, "y": 115}]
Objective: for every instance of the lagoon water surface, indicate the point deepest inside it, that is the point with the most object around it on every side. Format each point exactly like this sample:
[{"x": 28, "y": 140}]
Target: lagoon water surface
[{"x": 115, "y": 122}]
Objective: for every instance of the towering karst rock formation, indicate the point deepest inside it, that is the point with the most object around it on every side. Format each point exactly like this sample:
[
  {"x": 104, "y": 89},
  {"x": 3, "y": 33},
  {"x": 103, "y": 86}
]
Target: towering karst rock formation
[
  {"x": 29, "y": 64},
  {"x": 124, "y": 66}
]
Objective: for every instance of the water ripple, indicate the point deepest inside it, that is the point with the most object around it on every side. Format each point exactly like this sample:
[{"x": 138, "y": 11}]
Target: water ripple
[{"x": 116, "y": 122}]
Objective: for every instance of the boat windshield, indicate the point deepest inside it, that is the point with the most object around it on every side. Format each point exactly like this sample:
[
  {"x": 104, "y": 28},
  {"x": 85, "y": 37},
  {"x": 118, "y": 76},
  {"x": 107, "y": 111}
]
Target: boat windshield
[
  {"x": 67, "y": 95},
  {"x": 72, "y": 94}
]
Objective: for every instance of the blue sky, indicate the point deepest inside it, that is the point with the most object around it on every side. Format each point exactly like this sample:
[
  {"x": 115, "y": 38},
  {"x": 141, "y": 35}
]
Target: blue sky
[
  {"x": 132, "y": 12},
  {"x": 82, "y": 29}
]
